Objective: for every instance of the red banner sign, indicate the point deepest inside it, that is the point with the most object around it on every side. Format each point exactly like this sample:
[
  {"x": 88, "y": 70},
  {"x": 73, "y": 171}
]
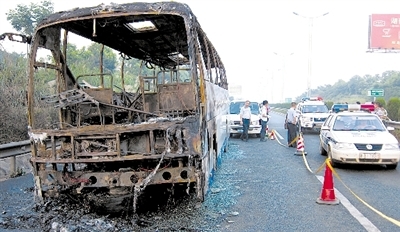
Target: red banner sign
[{"x": 384, "y": 31}]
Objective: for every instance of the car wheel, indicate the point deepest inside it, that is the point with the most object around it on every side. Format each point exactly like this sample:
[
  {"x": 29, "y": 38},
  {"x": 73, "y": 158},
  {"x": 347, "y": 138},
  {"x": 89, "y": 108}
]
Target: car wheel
[
  {"x": 333, "y": 163},
  {"x": 322, "y": 150},
  {"x": 391, "y": 166}
]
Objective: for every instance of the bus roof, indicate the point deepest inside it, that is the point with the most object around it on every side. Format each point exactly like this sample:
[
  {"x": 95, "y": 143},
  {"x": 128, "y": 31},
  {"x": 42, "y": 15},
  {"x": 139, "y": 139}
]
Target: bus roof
[{"x": 165, "y": 43}]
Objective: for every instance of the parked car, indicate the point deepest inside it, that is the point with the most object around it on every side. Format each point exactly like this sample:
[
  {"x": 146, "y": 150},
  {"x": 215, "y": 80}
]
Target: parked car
[
  {"x": 358, "y": 137},
  {"x": 312, "y": 113},
  {"x": 338, "y": 107},
  {"x": 369, "y": 107},
  {"x": 234, "y": 118}
]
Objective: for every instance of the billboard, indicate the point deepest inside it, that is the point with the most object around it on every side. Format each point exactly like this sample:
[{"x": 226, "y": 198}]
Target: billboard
[{"x": 384, "y": 31}]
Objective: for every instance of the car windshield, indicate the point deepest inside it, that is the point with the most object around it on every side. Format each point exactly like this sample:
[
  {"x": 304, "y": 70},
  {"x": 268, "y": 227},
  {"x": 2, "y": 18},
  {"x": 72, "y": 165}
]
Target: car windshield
[
  {"x": 315, "y": 109},
  {"x": 235, "y": 107},
  {"x": 358, "y": 123}
]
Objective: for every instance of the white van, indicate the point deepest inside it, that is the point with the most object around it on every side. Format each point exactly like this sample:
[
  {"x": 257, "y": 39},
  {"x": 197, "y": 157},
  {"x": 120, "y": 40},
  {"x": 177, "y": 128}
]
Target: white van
[
  {"x": 234, "y": 118},
  {"x": 312, "y": 114}
]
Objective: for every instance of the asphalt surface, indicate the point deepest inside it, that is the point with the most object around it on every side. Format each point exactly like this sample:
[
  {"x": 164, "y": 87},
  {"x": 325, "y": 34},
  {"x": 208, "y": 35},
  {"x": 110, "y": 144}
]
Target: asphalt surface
[{"x": 259, "y": 186}]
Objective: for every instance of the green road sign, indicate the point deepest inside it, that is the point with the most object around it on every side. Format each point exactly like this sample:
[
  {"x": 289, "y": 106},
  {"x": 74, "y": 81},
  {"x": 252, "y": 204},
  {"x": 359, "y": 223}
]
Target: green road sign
[{"x": 376, "y": 93}]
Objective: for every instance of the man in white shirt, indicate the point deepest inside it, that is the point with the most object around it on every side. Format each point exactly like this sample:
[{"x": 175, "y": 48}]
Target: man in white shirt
[
  {"x": 264, "y": 116},
  {"x": 380, "y": 111},
  {"x": 291, "y": 117},
  {"x": 245, "y": 117}
]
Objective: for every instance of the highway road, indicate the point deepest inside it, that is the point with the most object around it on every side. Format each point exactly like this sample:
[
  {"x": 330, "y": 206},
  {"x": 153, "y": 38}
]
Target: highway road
[{"x": 259, "y": 186}]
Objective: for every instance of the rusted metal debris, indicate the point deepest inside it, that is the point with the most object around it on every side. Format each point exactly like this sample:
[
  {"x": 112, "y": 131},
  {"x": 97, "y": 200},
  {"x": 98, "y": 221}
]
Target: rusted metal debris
[
  {"x": 16, "y": 37},
  {"x": 119, "y": 142}
]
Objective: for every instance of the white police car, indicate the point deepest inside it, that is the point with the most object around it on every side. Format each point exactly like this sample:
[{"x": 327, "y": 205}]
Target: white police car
[
  {"x": 358, "y": 137},
  {"x": 312, "y": 112}
]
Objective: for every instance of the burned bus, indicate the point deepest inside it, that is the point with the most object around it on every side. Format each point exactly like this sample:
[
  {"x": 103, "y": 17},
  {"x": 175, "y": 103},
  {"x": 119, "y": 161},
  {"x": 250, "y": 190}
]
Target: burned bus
[{"x": 115, "y": 132}]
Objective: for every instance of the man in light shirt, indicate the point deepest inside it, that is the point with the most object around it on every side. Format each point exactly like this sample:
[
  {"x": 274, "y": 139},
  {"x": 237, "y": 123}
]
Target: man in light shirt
[
  {"x": 264, "y": 119},
  {"x": 380, "y": 111},
  {"x": 245, "y": 118},
  {"x": 291, "y": 117}
]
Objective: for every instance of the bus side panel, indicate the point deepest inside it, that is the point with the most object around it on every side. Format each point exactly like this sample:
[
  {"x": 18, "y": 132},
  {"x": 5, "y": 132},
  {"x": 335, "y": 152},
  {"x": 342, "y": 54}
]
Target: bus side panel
[
  {"x": 221, "y": 110},
  {"x": 216, "y": 137}
]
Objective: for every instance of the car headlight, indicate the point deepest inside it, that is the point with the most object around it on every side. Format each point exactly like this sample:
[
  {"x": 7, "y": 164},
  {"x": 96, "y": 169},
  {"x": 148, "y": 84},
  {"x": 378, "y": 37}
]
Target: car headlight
[
  {"x": 391, "y": 146},
  {"x": 343, "y": 146},
  {"x": 307, "y": 119},
  {"x": 257, "y": 122}
]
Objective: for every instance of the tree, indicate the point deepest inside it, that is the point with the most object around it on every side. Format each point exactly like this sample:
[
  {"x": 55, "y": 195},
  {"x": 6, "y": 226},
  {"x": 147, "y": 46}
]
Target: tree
[
  {"x": 13, "y": 121},
  {"x": 109, "y": 58},
  {"x": 381, "y": 100},
  {"x": 24, "y": 18},
  {"x": 393, "y": 107}
]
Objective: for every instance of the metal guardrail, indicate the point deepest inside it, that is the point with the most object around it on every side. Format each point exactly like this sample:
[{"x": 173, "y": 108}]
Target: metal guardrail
[
  {"x": 14, "y": 149},
  {"x": 394, "y": 124}
]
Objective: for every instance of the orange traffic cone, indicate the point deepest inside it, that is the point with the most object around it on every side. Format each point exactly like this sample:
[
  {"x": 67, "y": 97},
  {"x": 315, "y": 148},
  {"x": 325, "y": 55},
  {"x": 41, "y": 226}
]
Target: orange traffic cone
[
  {"x": 300, "y": 146},
  {"x": 272, "y": 135},
  {"x": 328, "y": 192}
]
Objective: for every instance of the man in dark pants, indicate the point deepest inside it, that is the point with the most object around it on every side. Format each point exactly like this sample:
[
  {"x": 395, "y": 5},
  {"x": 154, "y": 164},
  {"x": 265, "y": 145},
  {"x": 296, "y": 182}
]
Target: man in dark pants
[
  {"x": 291, "y": 124},
  {"x": 245, "y": 117}
]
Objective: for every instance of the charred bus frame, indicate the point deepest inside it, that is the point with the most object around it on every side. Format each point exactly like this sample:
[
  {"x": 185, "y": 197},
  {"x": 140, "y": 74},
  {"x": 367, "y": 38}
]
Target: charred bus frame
[{"x": 172, "y": 130}]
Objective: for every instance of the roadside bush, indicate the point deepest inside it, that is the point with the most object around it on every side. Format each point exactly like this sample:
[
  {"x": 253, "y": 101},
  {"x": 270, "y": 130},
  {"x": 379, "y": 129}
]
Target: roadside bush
[
  {"x": 392, "y": 108},
  {"x": 13, "y": 123},
  {"x": 381, "y": 100},
  {"x": 329, "y": 104}
]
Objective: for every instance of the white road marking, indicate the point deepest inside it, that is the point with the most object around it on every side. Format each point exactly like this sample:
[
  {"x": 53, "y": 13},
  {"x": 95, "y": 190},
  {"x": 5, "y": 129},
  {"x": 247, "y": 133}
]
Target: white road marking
[
  {"x": 278, "y": 135},
  {"x": 367, "y": 224}
]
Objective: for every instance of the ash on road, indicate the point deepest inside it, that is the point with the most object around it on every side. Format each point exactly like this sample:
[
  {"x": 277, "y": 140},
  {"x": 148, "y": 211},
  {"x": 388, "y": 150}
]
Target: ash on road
[{"x": 163, "y": 210}]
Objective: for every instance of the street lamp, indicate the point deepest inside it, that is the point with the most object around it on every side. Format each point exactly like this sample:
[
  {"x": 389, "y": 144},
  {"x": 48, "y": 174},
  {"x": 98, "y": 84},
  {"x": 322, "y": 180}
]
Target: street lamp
[
  {"x": 310, "y": 26},
  {"x": 272, "y": 84},
  {"x": 283, "y": 74}
]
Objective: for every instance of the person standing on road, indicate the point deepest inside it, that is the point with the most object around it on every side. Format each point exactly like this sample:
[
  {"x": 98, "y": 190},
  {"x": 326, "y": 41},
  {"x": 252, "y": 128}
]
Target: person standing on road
[
  {"x": 291, "y": 124},
  {"x": 245, "y": 117},
  {"x": 380, "y": 111},
  {"x": 264, "y": 116}
]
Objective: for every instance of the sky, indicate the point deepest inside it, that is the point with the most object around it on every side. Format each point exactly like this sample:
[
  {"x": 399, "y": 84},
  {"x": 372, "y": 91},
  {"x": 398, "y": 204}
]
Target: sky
[{"x": 265, "y": 47}]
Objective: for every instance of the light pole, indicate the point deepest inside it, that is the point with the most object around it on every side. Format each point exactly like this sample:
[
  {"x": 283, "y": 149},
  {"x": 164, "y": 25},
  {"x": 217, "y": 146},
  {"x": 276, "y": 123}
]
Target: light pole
[
  {"x": 283, "y": 74},
  {"x": 310, "y": 28},
  {"x": 270, "y": 84}
]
